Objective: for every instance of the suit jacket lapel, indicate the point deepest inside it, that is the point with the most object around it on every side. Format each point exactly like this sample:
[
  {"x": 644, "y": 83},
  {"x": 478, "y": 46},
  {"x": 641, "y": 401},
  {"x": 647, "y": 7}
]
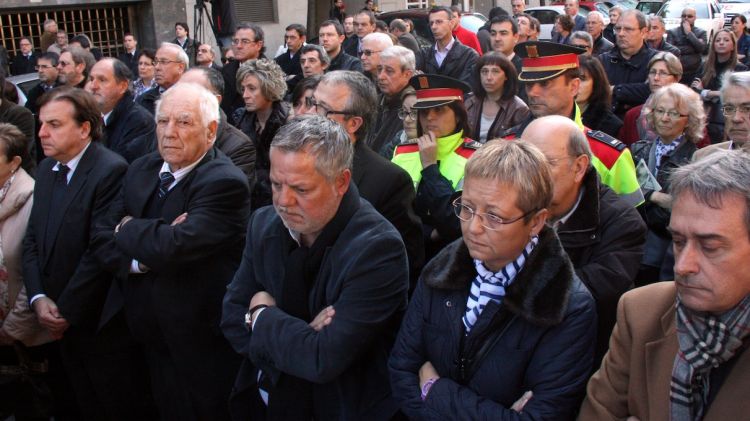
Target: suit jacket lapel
[
  {"x": 43, "y": 194},
  {"x": 660, "y": 355},
  {"x": 176, "y": 200},
  {"x": 143, "y": 187},
  {"x": 77, "y": 181}
]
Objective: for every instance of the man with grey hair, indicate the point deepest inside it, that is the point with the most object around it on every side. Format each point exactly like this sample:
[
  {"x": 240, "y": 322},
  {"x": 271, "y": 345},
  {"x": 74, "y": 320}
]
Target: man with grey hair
[
  {"x": 317, "y": 301},
  {"x": 405, "y": 38},
  {"x": 229, "y": 139},
  {"x": 74, "y": 66},
  {"x": 692, "y": 42},
  {"x": 595, "y": 27},
  {"x": 171, "y": 62},
  {"x": 582, "y": 39},
  {"x": 396, "y": 67},
  {"x": 314, "y": 60},
  {"x": 128, "y": 127},
  {"x": 602, "y": 234},
  {"x": 735, "y": 97},
  {"x": 174, "y": 238},
  {"x": 350, "y": 99},
  {"x": 679, "y": 349},
  {"x": 372, "y": 45},
  {"x": 655, "y": 36}
]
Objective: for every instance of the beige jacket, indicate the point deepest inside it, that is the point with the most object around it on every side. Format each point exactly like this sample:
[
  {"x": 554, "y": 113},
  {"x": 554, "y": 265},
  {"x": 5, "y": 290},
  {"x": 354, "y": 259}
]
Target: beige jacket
[
  {"x": 21, "y": 322},
  {"x": 635, "y": 375}
]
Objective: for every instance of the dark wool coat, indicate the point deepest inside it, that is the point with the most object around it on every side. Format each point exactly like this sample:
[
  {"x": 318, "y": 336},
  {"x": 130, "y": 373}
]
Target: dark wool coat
[{"x": 547, "y": 325}]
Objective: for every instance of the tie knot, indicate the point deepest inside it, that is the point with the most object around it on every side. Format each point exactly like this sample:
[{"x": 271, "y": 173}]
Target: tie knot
[
  {"x": 62, "y": 172},
  {"x": 165, "y": 180}
]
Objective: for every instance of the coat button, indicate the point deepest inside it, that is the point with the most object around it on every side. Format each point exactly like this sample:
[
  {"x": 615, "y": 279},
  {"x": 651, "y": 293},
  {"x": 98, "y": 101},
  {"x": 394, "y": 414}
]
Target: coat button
[
  {"x": 593, "y": 236},
  {"x": 448, "y": 303}
]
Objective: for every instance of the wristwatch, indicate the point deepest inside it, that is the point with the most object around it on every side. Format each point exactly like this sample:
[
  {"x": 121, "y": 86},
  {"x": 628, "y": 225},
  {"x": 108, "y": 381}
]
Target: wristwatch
[{"x": 249, "y": 315}]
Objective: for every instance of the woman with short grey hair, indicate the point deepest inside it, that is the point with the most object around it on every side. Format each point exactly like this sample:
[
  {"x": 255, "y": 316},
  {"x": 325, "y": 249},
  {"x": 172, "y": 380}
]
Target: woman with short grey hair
[
  {"x": 262, "y": 85},
  {"x": 678, "y": 118}
]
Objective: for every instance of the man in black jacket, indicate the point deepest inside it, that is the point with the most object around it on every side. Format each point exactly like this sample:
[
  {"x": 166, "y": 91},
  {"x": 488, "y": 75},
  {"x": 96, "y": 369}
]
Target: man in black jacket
[
  {"x": 130, "y": 56},
  {"x": 229, "y": 139},
  {"x": 692, "y": 42},
  {"x": 171, "y": 62},
  {"x": 295, "y": 37},
  {"x": 595, "y": 27},
  {"x": 128, "y": 127},
  {"x": 602, "y": 234},
  {"x": 25, "y": 61},
  {"x": 394, "y": 71},
  {"x": 448, "y": 57},
  {"x": 627, "y": 65},
  {"x": 331, "y": 35},
  {"x": 317, "y": 301},
  {"x": 384, "y": 184}
]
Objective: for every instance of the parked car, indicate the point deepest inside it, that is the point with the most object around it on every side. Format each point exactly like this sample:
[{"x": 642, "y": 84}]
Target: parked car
[
  {"x": 24, "y": 84},
  {"x": 709, "y": 16},
  {"x": 649, "y": 7},
  {"x": 732, "y": 8},
  {"x": 470, "y": 21},
  {"x": 546, "y": 16}
]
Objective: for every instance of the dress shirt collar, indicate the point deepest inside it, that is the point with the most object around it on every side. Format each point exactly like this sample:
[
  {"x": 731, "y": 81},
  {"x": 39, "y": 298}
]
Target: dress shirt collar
[
  {"x": 181, "y": 173},
  {"x": 73, "y": 163}
]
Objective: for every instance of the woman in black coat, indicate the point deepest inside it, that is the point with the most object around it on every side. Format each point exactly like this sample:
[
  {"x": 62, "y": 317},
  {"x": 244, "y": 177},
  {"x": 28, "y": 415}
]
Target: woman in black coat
[
  {"x": 262, "y": 85},
  {"x": 595, "y": 99},
  {"x": 499, "y": 323}
]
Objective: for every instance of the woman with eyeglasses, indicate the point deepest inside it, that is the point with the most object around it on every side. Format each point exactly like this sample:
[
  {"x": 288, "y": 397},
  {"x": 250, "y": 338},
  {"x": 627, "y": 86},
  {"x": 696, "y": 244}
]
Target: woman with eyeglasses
[
  {"x": 595, "y": 98},
  {"x": 146, "y": 72},
  {"x": 499, "y": 326},
  {"x": 664, "y": 68},
  {"x": 739, "y": 29},
  {"x": 435, "y": 159},
  {"x": 302, "y": 96},
  {"x": 722, "y": 57},
  {"x": 494, "y": 107},
  {"x": 262, "y": 85},
  {"x": 678, "y": 119}
]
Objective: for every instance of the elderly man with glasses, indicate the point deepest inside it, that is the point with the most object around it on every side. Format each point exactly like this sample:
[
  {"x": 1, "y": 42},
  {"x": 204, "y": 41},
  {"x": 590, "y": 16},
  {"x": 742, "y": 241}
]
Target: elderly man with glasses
[
  {"x": 735, "y": 97},
  {"x": 171, "y": 62}
]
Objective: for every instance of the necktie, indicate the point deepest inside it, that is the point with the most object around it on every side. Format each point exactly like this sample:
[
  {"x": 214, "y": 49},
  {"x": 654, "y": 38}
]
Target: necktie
[
  {"x": 165, "y": 180},
  {"x": 62, "y": 173}
]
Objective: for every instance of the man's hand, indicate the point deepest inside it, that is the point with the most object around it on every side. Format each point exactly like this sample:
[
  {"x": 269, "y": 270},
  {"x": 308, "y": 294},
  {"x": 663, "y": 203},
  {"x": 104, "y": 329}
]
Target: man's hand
[
  {"x": 686, "y": 27},
  {"x": 262, "y": 297},
  {"x": 323, "y": 319},
  {"x": 122, "y": 223},
  {"x": 49, "y": 316},
  {"x": 427, "y": 372},
  {"x": 180, "y": 219},
  {"x": 427, "y": 149},
  {"x": 522, "y": 401}
]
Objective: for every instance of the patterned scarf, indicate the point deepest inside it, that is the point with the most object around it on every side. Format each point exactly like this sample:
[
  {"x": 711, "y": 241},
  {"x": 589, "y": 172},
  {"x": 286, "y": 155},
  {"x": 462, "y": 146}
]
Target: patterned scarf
[
  {"x": 706, "y": 341},
  {"x": 490, "y": 286},
  {"x": 664, "y": 149}
]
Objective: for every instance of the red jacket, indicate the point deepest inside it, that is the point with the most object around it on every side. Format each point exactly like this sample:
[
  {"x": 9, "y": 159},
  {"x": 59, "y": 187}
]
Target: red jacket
[{"x": 468, "y": 38}]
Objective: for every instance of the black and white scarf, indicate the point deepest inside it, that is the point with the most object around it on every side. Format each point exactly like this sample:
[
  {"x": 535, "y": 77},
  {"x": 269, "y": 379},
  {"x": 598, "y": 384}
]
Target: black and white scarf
[{"x": 705, "y": 341}]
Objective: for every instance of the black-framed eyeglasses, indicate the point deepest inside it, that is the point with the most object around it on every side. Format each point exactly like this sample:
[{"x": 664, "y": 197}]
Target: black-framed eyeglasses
[
  {"x": 244, "y": 41},
  {"x": 321, "y": 109},
  {"x": 403, "y": 113},
  {"x": 487, "y": 220}
]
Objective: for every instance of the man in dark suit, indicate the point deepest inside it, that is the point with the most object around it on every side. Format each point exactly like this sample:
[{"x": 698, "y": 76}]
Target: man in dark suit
[
  {"x": 325, "y": 280},
  {"x": 171, "y": 62},
  {"x": 130, "y": 56},
  {"x": 405, "y": 38},
  {"x": 25, "y": 62},
  {"x": 206, "y": 57},
  {"x": 128, "y": 127},
  {"x": 447, "y": 57},
  {"x": 289, "y": 61},
  {"x": 68, "y": 289},
  {"x": 388, "y": 187},
  {"x": 175, "y": 237}
]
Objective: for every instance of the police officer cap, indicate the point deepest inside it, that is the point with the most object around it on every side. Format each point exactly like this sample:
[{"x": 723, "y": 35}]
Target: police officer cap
[
  {"x": 542, "y": 60},
  {"x": 437, "y": 90}
]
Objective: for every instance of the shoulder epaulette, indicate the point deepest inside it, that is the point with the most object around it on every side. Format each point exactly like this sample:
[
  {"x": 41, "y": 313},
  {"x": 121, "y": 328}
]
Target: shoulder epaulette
[
  {"x": 606, "y": 139},
  {"x": 471, "y": 144}
]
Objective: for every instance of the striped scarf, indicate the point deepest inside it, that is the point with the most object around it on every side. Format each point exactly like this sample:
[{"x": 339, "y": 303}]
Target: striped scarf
[
  {"x": 706, "y": 341},
  {"x": 490, "y": 286}
]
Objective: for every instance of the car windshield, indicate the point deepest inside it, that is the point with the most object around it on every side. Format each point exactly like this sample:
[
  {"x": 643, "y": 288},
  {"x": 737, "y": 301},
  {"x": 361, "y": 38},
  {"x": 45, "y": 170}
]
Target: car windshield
[
  {"x": 674, "y": 10},
  {"x": 735, "y": 1},
  {"x": 472, "y": 22}
]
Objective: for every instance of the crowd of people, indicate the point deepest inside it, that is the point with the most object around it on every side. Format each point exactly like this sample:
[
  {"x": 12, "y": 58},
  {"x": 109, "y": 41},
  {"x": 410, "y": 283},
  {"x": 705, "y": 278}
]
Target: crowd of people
[{"x": 491, "y": 226}]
